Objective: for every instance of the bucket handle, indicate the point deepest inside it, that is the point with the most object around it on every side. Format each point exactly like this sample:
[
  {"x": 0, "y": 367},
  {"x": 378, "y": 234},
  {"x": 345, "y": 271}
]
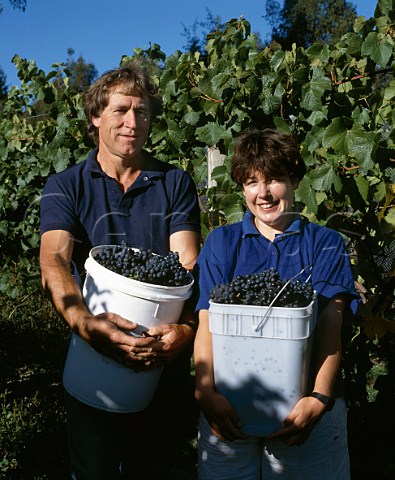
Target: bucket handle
[{"x": 261, "y": 323}]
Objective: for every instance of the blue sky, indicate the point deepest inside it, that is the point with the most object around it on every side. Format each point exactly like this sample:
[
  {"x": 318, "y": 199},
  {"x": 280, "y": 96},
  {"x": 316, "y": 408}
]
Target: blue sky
[{"x": 102, "y": 30}]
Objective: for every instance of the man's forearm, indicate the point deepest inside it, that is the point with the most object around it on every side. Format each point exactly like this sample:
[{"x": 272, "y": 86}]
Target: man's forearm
[
  {"x": 64, "y": 293},
  {"x": 189, "y": 318}
]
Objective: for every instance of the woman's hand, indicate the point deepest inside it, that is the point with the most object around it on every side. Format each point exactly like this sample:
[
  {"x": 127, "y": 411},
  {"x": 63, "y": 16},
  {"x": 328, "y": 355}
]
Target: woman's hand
[
  {"x": 223, "y": 420},
  {"x": 300, "y": 421}
]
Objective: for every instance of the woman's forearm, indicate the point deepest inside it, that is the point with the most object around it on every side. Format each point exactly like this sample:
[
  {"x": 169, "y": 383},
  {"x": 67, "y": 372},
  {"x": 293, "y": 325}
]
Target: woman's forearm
[
  {"x": 327, "y": 346},
  {"x": 203, "y": 357}
]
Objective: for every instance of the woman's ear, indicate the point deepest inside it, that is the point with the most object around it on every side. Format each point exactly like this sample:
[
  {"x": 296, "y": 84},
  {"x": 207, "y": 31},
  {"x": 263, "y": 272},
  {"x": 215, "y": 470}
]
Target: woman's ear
[{"x": 295, "y": 182}]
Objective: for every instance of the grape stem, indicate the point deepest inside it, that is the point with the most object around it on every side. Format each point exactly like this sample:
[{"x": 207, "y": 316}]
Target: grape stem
[{"x": 261, "y": 323}]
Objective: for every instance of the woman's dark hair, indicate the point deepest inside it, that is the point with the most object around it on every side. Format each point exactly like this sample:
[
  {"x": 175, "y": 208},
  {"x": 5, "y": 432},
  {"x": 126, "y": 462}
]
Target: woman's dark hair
[
  {"x": 272, "y": 153},
  {"x": 131, "y": 77}
]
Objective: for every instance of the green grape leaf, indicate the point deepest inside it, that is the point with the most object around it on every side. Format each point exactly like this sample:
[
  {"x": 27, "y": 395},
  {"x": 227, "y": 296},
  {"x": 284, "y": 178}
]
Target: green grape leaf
[{"x": 378, "y": 48}]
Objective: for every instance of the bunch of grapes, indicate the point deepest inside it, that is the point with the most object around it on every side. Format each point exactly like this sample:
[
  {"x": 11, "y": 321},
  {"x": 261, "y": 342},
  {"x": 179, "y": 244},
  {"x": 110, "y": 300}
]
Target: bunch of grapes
[
  {"x": 144, "y": 266},
  {"x": 261, "y": 288}
]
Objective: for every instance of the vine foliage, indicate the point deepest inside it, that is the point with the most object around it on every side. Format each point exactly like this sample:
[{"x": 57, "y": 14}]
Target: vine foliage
[{"x": 336, "y": 100}]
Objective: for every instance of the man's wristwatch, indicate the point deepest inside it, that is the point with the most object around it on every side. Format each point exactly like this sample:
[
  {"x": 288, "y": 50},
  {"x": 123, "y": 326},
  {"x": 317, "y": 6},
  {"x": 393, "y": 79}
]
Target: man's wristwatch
[{"x": 327, "y": 401}]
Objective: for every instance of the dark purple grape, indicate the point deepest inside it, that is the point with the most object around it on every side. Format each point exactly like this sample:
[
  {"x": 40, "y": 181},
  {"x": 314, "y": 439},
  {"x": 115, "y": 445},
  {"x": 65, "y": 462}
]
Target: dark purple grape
[
  {"x": 261, "y": 288},
  {"x": 143, "y": 265}
]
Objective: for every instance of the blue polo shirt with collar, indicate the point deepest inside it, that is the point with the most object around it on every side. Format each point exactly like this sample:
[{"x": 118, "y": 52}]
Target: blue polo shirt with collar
[
  {"x": 239, "y": 249},
  {"x": 86, "y": 202}
]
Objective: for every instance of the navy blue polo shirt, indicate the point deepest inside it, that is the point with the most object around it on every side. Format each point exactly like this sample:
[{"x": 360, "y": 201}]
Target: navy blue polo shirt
[
  {"x": 86, "y": 202},
  {"x": 239, "y": 249}
]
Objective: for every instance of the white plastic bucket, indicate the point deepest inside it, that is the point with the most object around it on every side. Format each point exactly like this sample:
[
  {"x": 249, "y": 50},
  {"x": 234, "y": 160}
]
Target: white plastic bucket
[
  {"x": 97, "y": 380},
  {"x": 262, "y": 373}
]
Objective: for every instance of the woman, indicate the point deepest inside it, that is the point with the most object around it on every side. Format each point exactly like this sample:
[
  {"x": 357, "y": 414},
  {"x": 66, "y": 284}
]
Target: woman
[{"x": 312, "y": 440}]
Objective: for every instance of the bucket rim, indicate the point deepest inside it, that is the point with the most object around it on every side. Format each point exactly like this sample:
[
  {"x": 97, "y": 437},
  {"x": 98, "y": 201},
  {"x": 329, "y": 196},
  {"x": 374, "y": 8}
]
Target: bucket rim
[{"x": 233, "y": 306}]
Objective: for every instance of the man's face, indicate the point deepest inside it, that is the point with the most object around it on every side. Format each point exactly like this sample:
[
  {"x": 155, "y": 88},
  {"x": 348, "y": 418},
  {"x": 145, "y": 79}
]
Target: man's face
[{"x": 123, "y": 125}]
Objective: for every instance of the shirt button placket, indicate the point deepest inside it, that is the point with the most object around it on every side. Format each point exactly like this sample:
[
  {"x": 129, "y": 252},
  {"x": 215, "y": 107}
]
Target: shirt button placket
[{"x": 274, "y": 257}]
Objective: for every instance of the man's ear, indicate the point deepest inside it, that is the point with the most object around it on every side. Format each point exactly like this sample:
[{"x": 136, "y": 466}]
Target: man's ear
[{"x": 96, "y": 121}]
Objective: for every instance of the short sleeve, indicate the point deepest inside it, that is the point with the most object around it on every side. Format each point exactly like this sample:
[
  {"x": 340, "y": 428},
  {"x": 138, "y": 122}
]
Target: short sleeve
[
  {"x": 56, "y": 208},
  {"x": 185, "y": 212},
  {"x": 331, "y": 273}
]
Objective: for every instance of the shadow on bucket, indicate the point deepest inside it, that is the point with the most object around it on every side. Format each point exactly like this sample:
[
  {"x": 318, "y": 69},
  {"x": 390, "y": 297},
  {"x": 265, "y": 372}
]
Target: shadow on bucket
[{"x": 260, "y": 407}]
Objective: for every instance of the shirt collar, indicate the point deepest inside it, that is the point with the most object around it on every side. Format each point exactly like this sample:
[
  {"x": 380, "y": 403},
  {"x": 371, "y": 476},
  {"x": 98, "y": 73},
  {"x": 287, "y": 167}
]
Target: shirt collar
[
  {"x": 93, "y": 166},
  {"x": 248, "y": 226}
]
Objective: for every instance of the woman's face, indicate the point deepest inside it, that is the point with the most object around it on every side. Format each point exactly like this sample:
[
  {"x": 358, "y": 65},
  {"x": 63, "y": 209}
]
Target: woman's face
[{"x": 270, "y": 202}]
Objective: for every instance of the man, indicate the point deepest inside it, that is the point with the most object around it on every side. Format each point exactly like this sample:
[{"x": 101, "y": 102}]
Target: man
[{"x": 121, "y": 193}]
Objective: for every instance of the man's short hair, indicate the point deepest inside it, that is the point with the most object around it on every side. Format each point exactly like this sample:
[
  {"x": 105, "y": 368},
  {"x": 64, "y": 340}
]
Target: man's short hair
[{"x": 132, "y": 77}]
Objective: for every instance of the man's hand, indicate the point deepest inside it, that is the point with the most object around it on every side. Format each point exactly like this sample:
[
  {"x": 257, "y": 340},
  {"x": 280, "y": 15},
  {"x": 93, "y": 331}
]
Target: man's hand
[
  {"x": 108, "y": 334},
  {"x": 172, "y": 339}
]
